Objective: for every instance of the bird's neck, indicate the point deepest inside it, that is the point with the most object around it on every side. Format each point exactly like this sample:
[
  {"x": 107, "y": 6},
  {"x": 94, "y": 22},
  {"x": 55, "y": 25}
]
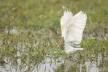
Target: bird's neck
[{"x": 59, "y": 40}]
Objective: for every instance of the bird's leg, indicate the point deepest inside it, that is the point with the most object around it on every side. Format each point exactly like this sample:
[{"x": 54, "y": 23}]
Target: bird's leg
[{"x": 70, "y": 56}]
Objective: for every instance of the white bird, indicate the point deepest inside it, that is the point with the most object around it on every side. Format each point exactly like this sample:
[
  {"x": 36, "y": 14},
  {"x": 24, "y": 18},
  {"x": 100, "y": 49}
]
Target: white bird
[{"x": 72, "y": 30}]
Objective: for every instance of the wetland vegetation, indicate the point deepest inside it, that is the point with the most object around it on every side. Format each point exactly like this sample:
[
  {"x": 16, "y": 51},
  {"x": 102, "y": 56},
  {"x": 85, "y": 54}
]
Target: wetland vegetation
[{"x": 24, "y": 47}]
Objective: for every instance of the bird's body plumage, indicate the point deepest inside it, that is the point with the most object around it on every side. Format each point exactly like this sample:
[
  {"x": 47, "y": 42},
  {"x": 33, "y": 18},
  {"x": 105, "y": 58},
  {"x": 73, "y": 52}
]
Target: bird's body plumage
[{"x": 72, "y": 29}]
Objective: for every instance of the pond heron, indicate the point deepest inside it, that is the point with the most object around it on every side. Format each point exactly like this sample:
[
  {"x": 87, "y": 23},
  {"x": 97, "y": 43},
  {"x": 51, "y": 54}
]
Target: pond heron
[{"x": 71, "y": 29}]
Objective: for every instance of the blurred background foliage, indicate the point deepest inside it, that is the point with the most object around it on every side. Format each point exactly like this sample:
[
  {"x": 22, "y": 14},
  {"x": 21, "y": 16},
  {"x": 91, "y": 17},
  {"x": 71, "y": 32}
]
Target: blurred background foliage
[{"x": 39, "y": 13}]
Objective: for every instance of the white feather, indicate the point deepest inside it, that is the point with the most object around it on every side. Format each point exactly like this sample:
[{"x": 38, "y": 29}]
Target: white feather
[
  {"x": 72, "y": 29},
  {"x": 67, "y": 15}
]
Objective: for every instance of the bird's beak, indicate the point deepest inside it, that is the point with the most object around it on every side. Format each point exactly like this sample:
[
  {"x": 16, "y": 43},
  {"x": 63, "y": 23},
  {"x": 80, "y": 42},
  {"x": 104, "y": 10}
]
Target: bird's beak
[
  {"x": 43, "y": 27},
  {"x": 49, "y": 26}
]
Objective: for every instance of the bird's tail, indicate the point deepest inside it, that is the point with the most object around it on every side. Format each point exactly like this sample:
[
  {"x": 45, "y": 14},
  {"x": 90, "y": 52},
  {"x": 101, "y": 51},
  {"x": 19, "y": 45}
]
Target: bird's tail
[
  {"x": 71, "y": 50},
  {"x": 79, "y": 48}
]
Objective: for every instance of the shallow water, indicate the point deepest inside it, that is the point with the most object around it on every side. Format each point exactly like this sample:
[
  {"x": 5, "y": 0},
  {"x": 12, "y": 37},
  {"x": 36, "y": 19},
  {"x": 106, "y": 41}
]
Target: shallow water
[
  {"x": 60, "y": 64},
  {"x": 32, "y": 51}
]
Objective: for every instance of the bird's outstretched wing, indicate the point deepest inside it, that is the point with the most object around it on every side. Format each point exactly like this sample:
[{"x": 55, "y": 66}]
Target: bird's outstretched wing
[
  {"x": 75, "y": 27},
  {"x": 72, "y": 26},
  {"x": 64, "y": 19}
]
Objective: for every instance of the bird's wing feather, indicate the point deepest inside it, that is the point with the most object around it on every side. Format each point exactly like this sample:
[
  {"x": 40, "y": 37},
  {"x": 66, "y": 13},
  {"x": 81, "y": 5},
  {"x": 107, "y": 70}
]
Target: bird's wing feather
[
  {"x": 74, "y": 28},
  {"x": 64, "y": 19}
]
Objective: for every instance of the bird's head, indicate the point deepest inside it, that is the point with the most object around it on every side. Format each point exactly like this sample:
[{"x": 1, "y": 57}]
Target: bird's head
[{"x": 50, "y": 28}]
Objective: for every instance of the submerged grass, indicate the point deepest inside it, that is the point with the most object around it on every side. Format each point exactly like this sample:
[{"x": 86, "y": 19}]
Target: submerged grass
[{"x": 35, "y": 45}]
